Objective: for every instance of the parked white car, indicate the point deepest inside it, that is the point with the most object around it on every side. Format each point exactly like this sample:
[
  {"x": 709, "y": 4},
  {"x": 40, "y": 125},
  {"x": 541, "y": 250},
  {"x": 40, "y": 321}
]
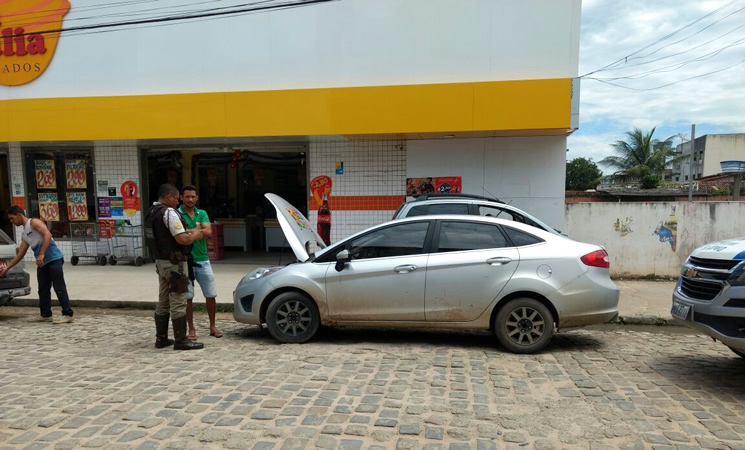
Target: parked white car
[
  {"x": 17, "y": 282},
  {"x": 458, "y": 272},
  {"x": 710, "y": 294}
]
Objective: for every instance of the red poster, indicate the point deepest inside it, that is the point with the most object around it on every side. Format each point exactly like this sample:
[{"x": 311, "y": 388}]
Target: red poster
[
  {"x": 319, "y": 186},
  {"x": 105, "y": 227},
  {"x": 75, "y": 173},
  {"x": 130, "y": 199},
  {"x": 45, "y": 177},
  {"x": 448, "y": 185},
  {"x": 48, "y": 207},
  {"x": 77, "y": 207}
]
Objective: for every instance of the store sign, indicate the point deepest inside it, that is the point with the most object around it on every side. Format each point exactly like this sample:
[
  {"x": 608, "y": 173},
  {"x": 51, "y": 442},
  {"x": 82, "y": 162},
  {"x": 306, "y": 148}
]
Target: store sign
[
  {"x": 29, "y": 32},
  {"x": 45, "y": 176},
  {"x": 75, "y": 173},
  {"x": 48, "y": 207},
  {"x": 77, "y": 207}
]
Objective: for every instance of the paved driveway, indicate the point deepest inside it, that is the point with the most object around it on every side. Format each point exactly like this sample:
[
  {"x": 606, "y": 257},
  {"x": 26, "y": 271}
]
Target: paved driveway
[{"x": 99, "y": 383}]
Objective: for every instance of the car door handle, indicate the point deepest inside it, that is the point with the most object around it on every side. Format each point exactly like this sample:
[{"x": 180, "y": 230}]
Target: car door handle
[
  {"x": 406, "y": 268},
  {"x": 498, "y": 261}
]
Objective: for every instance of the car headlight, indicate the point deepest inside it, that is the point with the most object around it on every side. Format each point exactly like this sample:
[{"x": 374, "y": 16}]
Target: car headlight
[
  {"x": 738, "y": 276},
  {"x": 262, "y": 272}
]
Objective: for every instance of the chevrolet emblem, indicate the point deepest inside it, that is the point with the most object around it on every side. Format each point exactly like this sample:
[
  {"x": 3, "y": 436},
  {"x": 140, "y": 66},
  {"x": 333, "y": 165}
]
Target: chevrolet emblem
[{"x": 691, "y": 273}]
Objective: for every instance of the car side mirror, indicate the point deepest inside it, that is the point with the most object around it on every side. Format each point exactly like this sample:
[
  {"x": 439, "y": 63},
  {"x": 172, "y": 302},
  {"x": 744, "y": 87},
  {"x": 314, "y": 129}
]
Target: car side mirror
[{"x": 341, "y": 258}]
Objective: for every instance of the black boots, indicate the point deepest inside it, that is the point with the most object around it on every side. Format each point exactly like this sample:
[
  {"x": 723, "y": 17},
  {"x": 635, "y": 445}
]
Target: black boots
[
  {"x": 179, "y": 333},
  {"x": 161, "y": 331}
]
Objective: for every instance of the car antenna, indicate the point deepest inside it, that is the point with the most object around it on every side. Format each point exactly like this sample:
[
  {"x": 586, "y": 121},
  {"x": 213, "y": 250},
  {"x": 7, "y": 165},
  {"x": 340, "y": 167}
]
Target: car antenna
[{"x": 492, "y": 195}]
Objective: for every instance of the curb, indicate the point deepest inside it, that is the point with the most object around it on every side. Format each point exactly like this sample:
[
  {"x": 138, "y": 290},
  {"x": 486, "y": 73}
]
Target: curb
[{"x": 645, "y": 320}]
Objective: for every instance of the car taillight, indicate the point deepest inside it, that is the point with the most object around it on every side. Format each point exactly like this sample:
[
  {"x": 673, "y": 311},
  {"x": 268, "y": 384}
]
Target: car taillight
[{"x": 598, "y": 258}]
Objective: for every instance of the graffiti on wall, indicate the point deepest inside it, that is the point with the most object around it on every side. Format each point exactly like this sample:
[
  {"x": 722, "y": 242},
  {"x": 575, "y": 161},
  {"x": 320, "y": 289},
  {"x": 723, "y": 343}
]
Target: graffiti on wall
[
  {"x": 667, "y": 230},
  {"x": 623, "y": 228}
]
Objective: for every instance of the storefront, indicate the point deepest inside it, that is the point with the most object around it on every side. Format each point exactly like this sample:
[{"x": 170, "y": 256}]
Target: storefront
[{"x": 365, "y": 101}]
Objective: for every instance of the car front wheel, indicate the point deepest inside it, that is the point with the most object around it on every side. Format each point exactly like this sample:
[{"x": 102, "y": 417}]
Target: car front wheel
[
  {"x": 524, "y": 325},
  {"x": 292, "y": 317}
]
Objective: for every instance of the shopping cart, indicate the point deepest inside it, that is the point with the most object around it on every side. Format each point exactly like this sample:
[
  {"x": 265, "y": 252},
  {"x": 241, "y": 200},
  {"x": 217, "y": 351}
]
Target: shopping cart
[
  {"x": 85, "y": 243},
  {"x": 126, "y": 245}
]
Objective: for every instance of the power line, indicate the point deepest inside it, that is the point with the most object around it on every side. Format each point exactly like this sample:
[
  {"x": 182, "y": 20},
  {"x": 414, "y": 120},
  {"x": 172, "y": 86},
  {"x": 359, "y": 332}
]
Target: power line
[
  {"x": 625, "y": 58},
  {"x": 669, "y": 84}
]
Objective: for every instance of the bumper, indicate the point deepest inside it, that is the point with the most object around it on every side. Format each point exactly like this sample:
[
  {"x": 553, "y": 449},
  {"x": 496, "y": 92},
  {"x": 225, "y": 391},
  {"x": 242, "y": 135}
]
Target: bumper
[
  {"x": 247, "y": 300},
  {"x": 722, "y": 318},
  {"x": 589, "y": 300},
  {"x": 6, "y": 295}
]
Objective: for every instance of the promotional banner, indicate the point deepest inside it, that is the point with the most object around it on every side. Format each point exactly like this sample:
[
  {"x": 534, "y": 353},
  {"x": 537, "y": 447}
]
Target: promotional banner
[
  {"x": 45, "y": 177},
  {"x": 104, "y": 207},
  {"x": 117, "y": 208},
  {"x": 434, "y": 185},
  {"x": 75, "y": 174},
  {"x": 77, "y": 207},
  {"x": 48, "y": 207},
  {"x": 319, "y": 186},
  {"x": 130, "y": 198}
]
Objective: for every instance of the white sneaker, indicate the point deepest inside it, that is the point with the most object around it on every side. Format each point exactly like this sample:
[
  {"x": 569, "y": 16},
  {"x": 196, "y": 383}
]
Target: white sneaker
[
  {"x": 63, "y": 319},
  {"x": 40, "y": 319}
]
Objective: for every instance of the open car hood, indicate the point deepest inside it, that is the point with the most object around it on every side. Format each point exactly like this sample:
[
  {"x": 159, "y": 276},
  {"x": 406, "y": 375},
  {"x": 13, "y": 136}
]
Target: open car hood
[{"x": 296, "y": 227}]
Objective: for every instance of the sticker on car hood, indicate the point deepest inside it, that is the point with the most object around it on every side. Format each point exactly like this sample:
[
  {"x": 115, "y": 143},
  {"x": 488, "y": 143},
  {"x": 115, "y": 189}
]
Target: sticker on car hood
[
  {"x": 727, "y": 249},
  {"x": 295, "y": 226}
]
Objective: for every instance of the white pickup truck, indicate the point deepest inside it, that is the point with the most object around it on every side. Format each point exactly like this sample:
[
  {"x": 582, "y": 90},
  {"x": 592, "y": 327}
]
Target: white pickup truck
[{"x": 710, "y": 294}]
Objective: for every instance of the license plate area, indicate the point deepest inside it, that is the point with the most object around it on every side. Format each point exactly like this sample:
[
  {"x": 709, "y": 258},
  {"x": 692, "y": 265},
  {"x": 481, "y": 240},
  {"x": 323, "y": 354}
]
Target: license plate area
[{"x": 680, "y": 310}]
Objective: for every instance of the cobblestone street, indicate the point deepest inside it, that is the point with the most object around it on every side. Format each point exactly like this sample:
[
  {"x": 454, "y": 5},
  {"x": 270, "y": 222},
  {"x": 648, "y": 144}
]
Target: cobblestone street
[{"x": 98, "y": 382}]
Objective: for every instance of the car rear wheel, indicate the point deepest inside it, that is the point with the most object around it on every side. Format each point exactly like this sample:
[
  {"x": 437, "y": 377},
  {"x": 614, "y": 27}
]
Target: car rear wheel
[
  {"x": 524, "y": 325},
  {"x": 292, "y": 317},
  {"x": 738, "y": 353}
]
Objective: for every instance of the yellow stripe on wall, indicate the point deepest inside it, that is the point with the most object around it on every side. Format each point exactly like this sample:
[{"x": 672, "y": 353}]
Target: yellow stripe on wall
[{"x": 453, "y": 107}]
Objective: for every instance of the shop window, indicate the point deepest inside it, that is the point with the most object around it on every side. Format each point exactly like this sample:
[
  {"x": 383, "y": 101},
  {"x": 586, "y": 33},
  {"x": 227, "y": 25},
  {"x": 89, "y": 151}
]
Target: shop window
[{"x": 60, "y": 188}]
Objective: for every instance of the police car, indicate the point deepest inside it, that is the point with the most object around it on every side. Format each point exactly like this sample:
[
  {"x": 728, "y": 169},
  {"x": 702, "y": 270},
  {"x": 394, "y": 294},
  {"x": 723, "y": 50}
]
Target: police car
[{"x": 710, "y": 294}]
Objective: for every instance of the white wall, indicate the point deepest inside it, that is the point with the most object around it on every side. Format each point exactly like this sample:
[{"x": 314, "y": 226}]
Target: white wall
[
  {"x": 345, "y": 43},
  {"x": 722, "y": 147},
  {"x": 527, "y": 172},
  {"x": 640, "y": 252}
]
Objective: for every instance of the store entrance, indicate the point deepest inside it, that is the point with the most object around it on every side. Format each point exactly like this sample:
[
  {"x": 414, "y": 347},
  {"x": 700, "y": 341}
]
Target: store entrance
[{"x": 231, "y": 184}]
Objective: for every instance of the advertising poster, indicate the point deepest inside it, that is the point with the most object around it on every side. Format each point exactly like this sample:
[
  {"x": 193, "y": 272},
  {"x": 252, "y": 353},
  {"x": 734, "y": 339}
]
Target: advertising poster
[
  {"x": 434, "y": 185},
  {"x": 117, "y": 208},
  {"x": 106, "y": 228},
  {"x": 104, "y": 207},
  {"x": 75, "y": 174},
  {"x": 77, "y": 207},
  {"x": 45, "y": 177},
  {"x": 319, "y": 186},
  {"x": 448, "y": 185},
  {"x": 48, "y": 207},
  {"x": 130, "y": 198}
]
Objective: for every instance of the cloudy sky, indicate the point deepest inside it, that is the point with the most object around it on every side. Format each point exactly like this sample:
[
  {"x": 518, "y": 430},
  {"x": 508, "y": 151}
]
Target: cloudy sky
[{"x": 655, "y": 43}]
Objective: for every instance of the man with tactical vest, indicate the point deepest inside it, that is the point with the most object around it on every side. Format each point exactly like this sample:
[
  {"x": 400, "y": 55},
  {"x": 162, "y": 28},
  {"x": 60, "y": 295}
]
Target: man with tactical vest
[{"x": 170, "y": 243}]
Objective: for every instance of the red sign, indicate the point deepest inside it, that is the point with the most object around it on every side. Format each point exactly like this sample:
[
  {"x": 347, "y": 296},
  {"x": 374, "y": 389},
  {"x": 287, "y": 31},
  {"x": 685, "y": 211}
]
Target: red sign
[
  {"x": 77, "y": 207},
  {"x": 75, "y": 174},
  {"x": 319, "y": 186},
  {"x": 105, "y": 228},
  {"x": 448, "y": 185},
  {"x": 130, "y": 199}
]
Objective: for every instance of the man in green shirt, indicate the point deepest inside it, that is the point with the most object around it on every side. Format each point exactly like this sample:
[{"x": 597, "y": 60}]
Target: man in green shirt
[{"x": 197, "y": 219}]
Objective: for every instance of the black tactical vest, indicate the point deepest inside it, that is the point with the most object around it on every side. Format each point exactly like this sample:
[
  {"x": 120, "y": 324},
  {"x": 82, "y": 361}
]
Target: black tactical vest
[{"x": 161, "y": 242}]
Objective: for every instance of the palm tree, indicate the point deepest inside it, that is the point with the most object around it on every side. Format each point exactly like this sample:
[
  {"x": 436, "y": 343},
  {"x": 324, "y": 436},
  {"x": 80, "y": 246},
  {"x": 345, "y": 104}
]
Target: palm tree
[{"x": 641, "y": 155}]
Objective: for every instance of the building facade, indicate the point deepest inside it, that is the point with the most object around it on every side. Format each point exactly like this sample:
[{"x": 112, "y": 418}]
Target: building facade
[
  {"x": 369, "y": 98},
  {"x": 710, "y": 151}
]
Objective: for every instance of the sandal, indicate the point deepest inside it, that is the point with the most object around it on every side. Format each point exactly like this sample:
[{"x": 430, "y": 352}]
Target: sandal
[
  {"x": 192, "y": 337},
  {"x": 216, "y": 334}
]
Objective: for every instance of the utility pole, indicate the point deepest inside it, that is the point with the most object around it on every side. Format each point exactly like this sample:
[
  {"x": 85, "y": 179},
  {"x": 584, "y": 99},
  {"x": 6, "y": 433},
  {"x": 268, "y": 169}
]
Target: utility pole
[{"x": 690, "y": 163}]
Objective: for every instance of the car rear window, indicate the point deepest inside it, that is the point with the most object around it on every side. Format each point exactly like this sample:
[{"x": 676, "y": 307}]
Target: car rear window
[
  {"x": 5, "y": 240},
  {"x": 521, "y": 238}
]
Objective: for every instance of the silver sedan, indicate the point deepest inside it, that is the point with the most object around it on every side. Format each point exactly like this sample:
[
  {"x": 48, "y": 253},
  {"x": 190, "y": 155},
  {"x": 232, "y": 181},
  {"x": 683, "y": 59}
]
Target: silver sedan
[{"x": 454, "y": 272}]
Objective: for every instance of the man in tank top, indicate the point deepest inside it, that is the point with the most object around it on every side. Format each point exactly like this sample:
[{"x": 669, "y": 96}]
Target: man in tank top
[{"x": 49, "y": 261}]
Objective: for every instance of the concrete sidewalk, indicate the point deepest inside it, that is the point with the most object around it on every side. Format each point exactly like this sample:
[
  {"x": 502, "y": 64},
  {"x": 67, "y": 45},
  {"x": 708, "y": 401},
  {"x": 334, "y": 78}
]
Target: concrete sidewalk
[{"x": 127, "y": 286}]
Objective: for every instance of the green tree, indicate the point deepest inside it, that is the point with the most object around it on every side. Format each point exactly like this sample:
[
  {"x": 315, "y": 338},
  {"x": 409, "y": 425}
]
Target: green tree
[
  {"x": 641, "y": 155},
  {"x": 582, "y": 174}
]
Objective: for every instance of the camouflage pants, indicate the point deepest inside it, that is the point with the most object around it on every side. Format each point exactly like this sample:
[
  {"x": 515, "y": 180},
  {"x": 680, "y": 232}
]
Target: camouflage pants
[{"x": 173, "y": 288}]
